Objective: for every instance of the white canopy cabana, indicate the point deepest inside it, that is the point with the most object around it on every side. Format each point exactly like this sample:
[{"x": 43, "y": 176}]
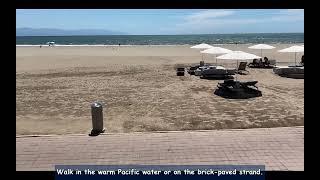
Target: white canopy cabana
[
  {"x": 261, "y": 47},
  {"x": 201, "y": 46},
  {"x": 216, "y": 50},
  {"x": 238, "y": 55},
  {"x": 295, "y": 49}
]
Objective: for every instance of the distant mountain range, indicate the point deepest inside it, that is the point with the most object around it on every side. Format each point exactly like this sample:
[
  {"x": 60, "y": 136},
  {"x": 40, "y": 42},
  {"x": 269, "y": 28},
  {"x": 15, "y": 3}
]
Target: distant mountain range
[{"x": 62, "y": 32}]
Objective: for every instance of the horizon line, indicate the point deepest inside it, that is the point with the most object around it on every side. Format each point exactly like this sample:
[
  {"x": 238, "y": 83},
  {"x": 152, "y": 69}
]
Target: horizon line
[{"x": 170, "y": 34}]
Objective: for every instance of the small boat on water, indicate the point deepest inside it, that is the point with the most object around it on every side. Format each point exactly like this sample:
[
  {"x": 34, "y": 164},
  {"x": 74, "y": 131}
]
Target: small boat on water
[{"x": 296, "y": 72}]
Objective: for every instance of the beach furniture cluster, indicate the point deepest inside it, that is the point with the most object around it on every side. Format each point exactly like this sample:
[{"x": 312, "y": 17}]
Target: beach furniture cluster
[
  {"x": 236, "y": 89},
  {"x": 293, "y": 71},
  {"x": 296, "y": 71}
]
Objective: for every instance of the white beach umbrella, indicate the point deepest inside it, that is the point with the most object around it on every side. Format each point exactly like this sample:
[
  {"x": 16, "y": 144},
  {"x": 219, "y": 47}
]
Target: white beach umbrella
[
  {"x": 261, "y": 47},
  {"x": 238, "y": 55},
  {"x": 201, "y": 46},
  {"x": 216, "y": 50},
  {"x": 295, "y": 49}
]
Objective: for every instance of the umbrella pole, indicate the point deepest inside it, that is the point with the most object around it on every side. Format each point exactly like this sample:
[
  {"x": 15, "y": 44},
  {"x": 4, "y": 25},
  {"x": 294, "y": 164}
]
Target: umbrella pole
[
  {"x": 261, "y": 53},
  {"x": 237, "y": 73},
  {"x": 295, "y": 58},
  {"x": 216, "y": 60}
]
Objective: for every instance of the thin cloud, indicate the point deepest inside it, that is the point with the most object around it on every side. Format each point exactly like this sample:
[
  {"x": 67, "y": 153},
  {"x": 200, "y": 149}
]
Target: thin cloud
[
  {"x": 212, "y": 21},
  {"x": 289, "y": 15},
  {"x": 208, "y": 14}
]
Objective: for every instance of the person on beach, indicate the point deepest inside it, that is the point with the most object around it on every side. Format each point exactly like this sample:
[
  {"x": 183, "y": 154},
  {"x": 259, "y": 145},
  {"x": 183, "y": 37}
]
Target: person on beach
[
  {"x": 255, "y": 61},
  {"x": 260, "y": 62},
  {"x": 302, "y": 60},
  {"x": 266, "y": 61}
]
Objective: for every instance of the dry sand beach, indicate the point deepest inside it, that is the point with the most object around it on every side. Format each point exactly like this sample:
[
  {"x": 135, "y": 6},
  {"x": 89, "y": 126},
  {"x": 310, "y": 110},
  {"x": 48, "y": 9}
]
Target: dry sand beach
[{"x": 55, "y": 87}]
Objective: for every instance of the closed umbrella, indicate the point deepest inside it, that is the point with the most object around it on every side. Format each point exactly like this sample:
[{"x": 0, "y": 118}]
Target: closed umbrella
[
  {"x": 216, "y": 50},
  {"x": 295, "y": 49},
  {"x": 261, "y": 47}
]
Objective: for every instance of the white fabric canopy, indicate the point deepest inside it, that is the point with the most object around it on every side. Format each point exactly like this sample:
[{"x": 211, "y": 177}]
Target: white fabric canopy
[
  {"x": 202, "y": 46},
  {"x": 238, "y": 55},
  {"x": 216, "y": 50},
  {"x": 261, "y": 46},
  {"x": 295, "y": 49}
]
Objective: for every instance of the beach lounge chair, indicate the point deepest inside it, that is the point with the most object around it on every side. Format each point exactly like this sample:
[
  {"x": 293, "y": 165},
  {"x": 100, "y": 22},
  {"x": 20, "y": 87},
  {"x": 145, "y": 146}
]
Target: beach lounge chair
[
  {"x": 260, "y": 64},
  {"x": 302, "y": 60},
  {"x": 272, "y": 63},
  {"x": 296, "y": 72},
  {"x": 242, "y": 68},
  {"x": 217, "y": 72},
  {"x": 192, "y": 69}
]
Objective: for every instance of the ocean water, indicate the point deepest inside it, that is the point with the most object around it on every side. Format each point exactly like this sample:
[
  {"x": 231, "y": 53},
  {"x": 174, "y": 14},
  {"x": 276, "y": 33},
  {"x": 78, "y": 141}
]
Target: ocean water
[{"x": 268, "y": 38}]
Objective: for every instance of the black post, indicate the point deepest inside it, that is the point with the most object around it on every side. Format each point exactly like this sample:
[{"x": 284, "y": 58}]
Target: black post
[{"x": 97, "y": 119}]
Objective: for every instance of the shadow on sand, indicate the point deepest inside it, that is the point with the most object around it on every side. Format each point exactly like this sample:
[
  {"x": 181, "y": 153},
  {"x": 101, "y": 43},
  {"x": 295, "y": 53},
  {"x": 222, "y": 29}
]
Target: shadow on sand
[
  {"x": 218, "y": 78},
  {"x": 231, "y": 89}
]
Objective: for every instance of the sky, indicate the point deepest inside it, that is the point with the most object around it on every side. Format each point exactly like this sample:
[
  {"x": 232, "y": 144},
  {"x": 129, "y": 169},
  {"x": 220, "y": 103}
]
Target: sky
[{"x": 162, "y": 21}]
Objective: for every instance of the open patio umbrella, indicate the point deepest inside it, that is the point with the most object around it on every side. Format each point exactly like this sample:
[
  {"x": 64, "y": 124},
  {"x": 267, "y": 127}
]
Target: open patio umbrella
[
  {"x": 238, "y": 55},
  {"x": 201, "y": 46},
  {"x": 216, "y": 50},
  {"x": 295, "y": 49},
  {"x": 261, "y": 47}
]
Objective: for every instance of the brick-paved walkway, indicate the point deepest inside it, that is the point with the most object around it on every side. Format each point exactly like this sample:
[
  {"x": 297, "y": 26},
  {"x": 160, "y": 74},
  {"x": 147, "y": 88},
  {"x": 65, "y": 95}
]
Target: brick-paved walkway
[{"x": 277, "y": 148}]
